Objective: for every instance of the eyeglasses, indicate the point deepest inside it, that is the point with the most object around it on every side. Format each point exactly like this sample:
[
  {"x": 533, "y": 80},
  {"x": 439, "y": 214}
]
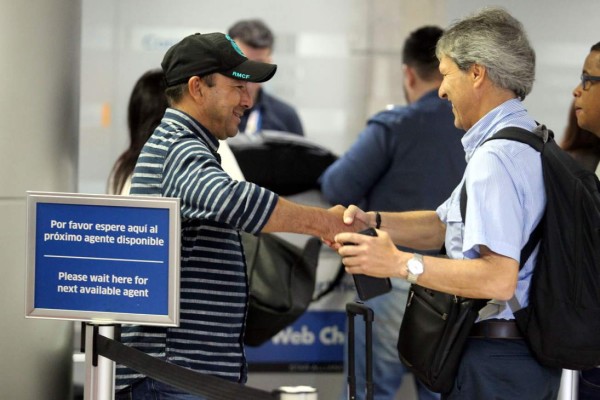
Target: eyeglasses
[{"x": 586, "y": 80}]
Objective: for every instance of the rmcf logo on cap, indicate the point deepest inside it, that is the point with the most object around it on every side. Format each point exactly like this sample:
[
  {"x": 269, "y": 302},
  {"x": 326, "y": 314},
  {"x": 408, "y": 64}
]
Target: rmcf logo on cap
[{"x": 235, "y": 46}]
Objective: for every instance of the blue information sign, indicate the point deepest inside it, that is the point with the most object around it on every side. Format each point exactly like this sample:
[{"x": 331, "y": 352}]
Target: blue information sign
[
  {"x": 314, "y": 342},
  {"x": 109, "y": 258}
]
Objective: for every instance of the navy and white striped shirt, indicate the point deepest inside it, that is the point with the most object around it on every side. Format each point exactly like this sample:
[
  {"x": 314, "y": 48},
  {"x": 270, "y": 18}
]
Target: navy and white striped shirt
[{"x": 180, "y": 160}]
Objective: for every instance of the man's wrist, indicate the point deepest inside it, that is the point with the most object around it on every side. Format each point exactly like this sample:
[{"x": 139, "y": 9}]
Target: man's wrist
[{"x": 414, "y": 268}]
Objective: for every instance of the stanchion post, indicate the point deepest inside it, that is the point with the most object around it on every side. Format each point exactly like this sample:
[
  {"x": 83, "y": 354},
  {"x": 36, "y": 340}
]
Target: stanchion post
[
  {"x": 569, "y": 385},
  {"x": 99, "y": 371}
]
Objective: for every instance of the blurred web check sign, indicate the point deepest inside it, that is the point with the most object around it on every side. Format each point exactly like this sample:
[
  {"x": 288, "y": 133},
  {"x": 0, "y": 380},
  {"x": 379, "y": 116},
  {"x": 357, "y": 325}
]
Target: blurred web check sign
[{"x": 103, "y": 259}]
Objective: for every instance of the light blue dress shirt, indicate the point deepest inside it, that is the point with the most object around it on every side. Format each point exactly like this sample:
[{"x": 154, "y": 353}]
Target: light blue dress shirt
[{"x": 506, "y": 196}]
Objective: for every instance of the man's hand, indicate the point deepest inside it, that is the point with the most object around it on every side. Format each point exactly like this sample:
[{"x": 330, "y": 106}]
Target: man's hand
[
  {"x": 353, "y": 214},
  {"x": 371, "y": 255},
  {"x": 340, "y": 225},
  {"x": 352, "y": 217}
]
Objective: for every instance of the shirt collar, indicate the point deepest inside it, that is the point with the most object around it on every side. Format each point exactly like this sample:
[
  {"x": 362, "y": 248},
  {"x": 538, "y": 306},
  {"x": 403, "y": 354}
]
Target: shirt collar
[
  {"x": 194, "y": 126},
  {"x": 509, "y": 113}
]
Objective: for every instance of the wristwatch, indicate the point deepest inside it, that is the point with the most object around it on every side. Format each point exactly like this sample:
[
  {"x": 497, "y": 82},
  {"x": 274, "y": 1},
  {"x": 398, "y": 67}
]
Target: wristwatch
[{"x": 414, "y": 266}]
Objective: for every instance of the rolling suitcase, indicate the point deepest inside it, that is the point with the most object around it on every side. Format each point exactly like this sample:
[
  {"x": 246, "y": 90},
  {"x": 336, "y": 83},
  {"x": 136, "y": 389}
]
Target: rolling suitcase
[{"x": 353, "y": 309}]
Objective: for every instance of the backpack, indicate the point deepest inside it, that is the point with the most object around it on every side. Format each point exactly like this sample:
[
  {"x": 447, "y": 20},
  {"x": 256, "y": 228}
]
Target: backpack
[
  {"x": 562, "y": 321},
  {"x": 281, "y": 280}
]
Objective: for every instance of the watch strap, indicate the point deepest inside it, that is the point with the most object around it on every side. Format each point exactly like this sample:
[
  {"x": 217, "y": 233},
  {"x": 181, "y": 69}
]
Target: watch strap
[{"x": 412, "y": 278}]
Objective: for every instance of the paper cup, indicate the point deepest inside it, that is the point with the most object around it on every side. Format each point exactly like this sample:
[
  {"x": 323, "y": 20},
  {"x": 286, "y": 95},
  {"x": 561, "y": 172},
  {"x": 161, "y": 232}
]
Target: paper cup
[{"x": 297, "y": 393}]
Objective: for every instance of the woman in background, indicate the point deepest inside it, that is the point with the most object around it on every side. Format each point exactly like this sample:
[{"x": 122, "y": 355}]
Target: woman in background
[
  {"x": 582, "y": 145},
  {"x": 147, "y": 106}
]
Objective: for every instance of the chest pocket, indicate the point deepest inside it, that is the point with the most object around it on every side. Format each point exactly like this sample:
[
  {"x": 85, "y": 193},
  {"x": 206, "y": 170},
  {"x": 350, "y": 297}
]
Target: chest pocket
[{"x": 454, "y": 232}]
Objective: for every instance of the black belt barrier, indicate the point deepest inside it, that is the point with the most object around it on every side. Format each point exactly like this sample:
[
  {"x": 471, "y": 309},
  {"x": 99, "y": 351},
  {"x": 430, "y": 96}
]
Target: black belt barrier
[{"x": 212, "y": 387}]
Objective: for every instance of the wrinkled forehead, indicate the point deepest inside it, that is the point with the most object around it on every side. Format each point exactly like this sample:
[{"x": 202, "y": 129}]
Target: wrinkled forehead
[{"x": 447, "y": 64}]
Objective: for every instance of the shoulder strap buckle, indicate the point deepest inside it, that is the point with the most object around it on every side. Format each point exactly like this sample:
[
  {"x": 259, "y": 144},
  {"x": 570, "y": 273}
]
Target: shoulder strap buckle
[{"x": 542, "y": 132}]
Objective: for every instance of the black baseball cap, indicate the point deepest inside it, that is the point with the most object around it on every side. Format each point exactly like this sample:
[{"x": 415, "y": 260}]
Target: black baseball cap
[{"x": 204, "y": 54}]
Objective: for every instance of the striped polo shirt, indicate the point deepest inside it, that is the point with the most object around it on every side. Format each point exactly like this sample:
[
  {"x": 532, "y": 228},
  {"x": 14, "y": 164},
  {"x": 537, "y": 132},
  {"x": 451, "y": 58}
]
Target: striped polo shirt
[{"x": 180, "y": 160}]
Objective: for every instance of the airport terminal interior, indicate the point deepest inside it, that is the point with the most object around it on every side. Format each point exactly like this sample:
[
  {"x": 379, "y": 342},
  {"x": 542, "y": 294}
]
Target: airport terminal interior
[{"x": 68, "y": 72}]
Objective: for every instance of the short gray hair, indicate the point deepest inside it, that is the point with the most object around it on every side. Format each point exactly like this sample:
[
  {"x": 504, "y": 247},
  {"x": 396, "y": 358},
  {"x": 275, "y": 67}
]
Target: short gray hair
[
  {"x": 175, "y": 93},
  {"x": 496, "y": 40}
]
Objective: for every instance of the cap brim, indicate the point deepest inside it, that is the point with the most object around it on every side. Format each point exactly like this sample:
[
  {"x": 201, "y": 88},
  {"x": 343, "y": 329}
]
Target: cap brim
[{"x": 252, "y": 71}]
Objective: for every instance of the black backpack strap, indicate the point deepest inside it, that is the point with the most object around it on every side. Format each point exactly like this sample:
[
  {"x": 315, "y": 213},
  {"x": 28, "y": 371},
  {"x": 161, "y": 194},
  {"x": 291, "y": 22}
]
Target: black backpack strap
[
  {"x": 540, "y": 136},
  {"x": 534, "y": 239},
  {"x": 536, "y": 140}
]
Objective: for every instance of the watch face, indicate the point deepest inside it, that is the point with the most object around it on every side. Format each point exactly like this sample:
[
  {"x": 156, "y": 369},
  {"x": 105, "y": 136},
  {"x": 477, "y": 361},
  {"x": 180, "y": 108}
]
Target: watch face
[{"x": 414, "y": 266}]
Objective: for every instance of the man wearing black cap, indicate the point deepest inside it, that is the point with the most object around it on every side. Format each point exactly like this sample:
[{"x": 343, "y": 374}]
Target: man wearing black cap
[{"x": 207, "y": 77}]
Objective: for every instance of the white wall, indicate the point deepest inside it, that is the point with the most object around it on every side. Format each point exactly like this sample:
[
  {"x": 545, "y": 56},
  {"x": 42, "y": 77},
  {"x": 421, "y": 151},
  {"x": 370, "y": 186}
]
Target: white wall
[{"x": 38, "y": 108}]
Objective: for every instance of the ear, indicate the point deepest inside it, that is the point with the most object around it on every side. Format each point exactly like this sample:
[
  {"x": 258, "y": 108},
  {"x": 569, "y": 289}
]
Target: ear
[
  {"x": 478, "y": 74},
  {"x": 410, "y": 76},
  {"x": 195, "y": 87}
]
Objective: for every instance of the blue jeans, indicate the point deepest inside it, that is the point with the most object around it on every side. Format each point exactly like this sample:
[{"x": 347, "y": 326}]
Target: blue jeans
[
  {"x": 589, "y": 384},
  {"x": 150, "y": 389},
  {"x": 388, "y": 371},
  {"x": 502, "y": 369}
]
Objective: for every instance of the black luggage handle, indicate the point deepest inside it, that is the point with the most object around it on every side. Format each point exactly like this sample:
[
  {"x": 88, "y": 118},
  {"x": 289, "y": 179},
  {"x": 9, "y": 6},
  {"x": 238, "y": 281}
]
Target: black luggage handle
[{"x": 353, "y": 309}]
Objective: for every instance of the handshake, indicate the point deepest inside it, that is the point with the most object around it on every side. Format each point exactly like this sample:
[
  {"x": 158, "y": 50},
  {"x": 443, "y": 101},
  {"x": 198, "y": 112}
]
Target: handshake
[{"x": 360, "y": 244}]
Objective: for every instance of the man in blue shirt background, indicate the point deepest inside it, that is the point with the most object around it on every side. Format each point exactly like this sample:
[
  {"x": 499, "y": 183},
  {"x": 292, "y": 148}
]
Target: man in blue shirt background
[
  {"x": 488, "y": 68},
  {"x": 407, "y": 158}
]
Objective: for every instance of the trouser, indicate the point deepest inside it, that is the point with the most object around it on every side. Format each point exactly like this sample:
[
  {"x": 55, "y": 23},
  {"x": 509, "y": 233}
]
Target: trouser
[
  {"x": 503, "y": 369},
  {"x": 589, "y": 384},
  {"x": 150, "y": 389}
]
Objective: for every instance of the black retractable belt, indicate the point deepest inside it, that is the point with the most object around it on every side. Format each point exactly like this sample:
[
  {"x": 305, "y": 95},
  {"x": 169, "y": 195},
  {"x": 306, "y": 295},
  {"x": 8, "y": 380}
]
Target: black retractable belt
[{"x": 193, "y": 382}]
